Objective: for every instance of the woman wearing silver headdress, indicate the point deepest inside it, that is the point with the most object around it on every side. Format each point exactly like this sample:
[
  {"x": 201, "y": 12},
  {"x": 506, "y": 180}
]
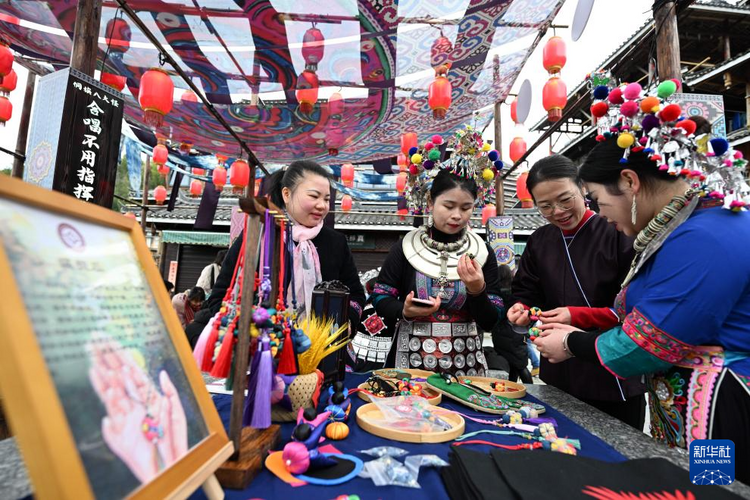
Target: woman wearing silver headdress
[{"x": 440, "y": 284}]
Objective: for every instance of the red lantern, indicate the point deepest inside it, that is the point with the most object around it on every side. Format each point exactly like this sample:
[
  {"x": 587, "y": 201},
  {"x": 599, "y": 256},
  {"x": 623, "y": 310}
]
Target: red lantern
[
  {"x": 8, "y": 82},
  {"x": 440, "y": 97},
  {"x": 347, "y": 174},
  {"x": 196, "y": 187},
  {"x": 408, "y": 141},
  {"x": 6, "y": 59},
  {"x": 401, "y": 182},
  {"x": 487, "y": 212},
  {"x": 554, "y": 98},
  {"x": 199, "y": 171},
  {"x": 160, "y": 194},
  {"x": 117, "y": 82},
  {"x": 162, "y": 169},
  {"x": 517, "y": 149},
  {"x": 160, "y": 155},
  {"x": 514, "y": 111},
  {"x": 219, "y": 177},
  {"x": 155, "y": 96},
  {"x": 307, "y": 91},
  {"x": 522, "y": 192},
  {"x": 6, "y": 110},
  {"x": 118, "y": 35},
  {"x": 346, "y": 203},
  {"x": 334, "y": 140},
  {"x": 313, "y": 47},
  {"x": 336, "y": 105},
  {"x": 189, "y": 96},
  {"x": 441, "y": 50},
  {"x": 402, "y": 162},
  {"x": 239, "y": 174},
  {"x": 554, "y": 55}
]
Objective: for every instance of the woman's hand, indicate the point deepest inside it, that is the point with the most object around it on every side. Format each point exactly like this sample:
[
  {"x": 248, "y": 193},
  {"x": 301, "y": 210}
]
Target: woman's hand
[
  {"x": 518, "y": 315},
  {"x": 471, "y": 274},
  {"x": 414, "y": 310},
  {"x": 550, "y": 341},
  {"x": 557, "y": 315}
]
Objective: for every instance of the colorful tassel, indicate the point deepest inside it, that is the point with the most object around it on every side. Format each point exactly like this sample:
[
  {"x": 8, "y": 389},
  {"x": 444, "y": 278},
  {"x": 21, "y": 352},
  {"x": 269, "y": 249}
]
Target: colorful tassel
[
  {"x": 262, "y": 407},
  {"x": 208, "y": 355},
  {"x": 224, "y": 359},
  {"x": 288, "y": 359}
]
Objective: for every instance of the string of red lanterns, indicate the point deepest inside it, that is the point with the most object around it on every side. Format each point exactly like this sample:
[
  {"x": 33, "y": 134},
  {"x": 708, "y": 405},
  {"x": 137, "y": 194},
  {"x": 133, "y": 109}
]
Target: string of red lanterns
[
  {"x": 8, "y": 81},
  {"x": 555, "y": 92},
  {"x": 440, "y": 90}
]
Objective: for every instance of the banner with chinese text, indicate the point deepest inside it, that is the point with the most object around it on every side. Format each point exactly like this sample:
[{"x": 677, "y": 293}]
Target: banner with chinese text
[{"x": 89, "y": 147}]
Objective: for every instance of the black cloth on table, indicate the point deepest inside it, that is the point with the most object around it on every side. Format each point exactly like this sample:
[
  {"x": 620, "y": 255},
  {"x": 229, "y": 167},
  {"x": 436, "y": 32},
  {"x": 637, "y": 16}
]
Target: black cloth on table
[
  {"x": 336, "y": 263},
  {"x": 532, "y": 474}
]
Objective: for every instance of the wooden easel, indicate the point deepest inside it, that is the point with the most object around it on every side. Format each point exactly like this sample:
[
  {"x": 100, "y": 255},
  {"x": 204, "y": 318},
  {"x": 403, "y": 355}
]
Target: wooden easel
[{"x": 251, "y": 445}]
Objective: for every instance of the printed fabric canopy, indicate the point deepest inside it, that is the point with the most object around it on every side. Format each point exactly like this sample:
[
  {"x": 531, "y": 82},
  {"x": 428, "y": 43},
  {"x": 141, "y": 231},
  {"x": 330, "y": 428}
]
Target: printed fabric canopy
[{"x": 246, "y": 56}]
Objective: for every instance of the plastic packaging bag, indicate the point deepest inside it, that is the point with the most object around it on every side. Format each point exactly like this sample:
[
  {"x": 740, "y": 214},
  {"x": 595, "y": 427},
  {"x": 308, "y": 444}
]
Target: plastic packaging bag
[
  {"x": 411, "y": 414},
  {"x": 385, "y": 451}
]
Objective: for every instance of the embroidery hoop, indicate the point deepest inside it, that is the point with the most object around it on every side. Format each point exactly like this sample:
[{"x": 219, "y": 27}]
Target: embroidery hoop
[{"x": 370, "y": 418}]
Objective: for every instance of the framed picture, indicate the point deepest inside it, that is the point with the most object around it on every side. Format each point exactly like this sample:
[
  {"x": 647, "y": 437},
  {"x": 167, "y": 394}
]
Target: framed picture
[{"x": 97, "y": 377}]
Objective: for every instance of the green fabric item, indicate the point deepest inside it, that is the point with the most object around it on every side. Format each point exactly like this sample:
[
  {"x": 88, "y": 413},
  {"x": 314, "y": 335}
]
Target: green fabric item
[
  {"x": 466, "y": 394},
  {"x": 196, "y": 238},
  {"x": 623, "y": 357}
]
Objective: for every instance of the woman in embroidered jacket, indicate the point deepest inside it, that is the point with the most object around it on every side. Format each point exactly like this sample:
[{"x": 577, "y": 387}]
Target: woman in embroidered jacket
[
  {"x": 684, "y": 307},
  {"x": 572, "y": 269},
  {"x": 448, "y": 264}
]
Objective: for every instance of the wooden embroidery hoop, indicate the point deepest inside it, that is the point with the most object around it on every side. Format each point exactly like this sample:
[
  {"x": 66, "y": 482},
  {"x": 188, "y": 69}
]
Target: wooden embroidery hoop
[{"x": 369, "y": 416}]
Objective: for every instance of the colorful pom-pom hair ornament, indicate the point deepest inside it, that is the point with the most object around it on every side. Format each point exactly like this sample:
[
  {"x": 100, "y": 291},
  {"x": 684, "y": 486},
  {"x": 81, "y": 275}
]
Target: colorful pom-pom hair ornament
[
  {"x": 471, "y": 158},
  {"x": 653, "y": 122}
]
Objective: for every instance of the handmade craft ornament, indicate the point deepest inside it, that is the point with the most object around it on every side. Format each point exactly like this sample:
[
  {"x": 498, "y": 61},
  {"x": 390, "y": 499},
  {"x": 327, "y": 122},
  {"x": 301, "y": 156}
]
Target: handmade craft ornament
[{"x": 337, "y": 431}]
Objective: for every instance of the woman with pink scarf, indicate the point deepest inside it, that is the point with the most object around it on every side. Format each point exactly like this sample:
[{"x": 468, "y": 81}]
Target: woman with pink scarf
[{"x": 321, "y": 254}]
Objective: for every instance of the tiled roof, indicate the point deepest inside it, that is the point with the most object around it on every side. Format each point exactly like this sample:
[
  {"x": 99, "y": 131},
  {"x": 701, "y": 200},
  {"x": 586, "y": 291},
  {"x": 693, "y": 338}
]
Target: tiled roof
[
  {"x": 738, "y": 136},
  {"x": 378, "y": 217}
]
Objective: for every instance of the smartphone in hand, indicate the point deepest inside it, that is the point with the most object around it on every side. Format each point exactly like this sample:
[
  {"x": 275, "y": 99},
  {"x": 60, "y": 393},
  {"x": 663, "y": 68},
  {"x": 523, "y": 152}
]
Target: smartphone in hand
[{"x": 424, "y": 302}]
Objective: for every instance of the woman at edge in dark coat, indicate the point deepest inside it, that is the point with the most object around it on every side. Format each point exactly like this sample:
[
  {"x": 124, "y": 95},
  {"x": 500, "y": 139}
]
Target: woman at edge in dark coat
[
  {"x": 572, "y": 269},
  {"x": 303, "y": 190}
]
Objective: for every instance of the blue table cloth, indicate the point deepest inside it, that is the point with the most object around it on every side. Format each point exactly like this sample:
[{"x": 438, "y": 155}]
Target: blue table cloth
[{"x": 268, "y": 486}]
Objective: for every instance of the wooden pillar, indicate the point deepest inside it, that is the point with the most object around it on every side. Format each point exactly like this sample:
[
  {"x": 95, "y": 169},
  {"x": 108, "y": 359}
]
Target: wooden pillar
[
  {"x": 727, "y": 52},
  {"x": 23, "y": 126},
  {"x": 144, "y": 203},
  {"x": 86, "y": 36},
  {"x": 499, "y": 194},
  {"x": 667, "y": 40}
]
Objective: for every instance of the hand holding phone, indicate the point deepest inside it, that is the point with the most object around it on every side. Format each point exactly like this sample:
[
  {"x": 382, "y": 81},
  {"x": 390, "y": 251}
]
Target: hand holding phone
[{"x": 429, "y": 302}]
